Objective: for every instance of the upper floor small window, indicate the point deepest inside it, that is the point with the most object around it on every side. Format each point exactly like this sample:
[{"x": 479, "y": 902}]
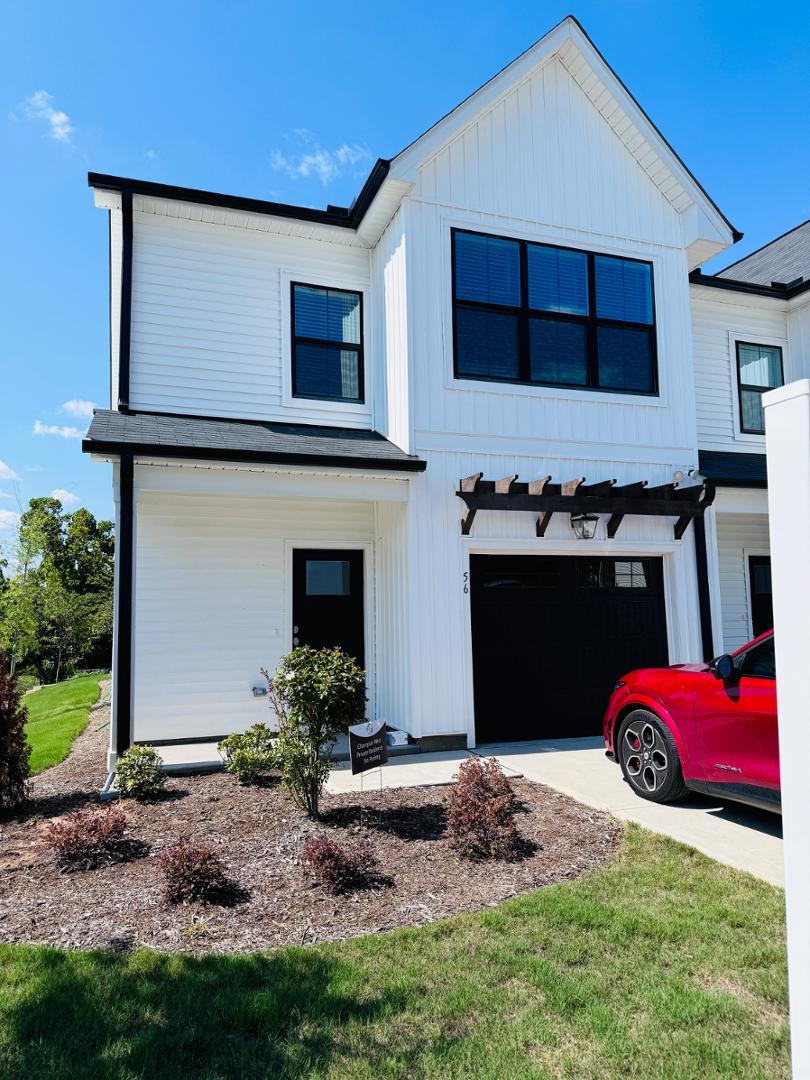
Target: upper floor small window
[
  {"x": 551, "y": 316},
  {"x": 759, "y": 368},
  {"x": 327, "y": 343}
]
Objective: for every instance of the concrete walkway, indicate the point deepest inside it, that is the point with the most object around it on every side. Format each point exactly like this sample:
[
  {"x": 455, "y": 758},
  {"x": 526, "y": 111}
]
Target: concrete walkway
[{"x": 744, "y": 838}]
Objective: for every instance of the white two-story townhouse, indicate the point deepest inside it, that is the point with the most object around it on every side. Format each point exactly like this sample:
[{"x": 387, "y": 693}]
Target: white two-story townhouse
[
  {"x": 751, "y": 325},
  {"x": 453, "y": 428}
]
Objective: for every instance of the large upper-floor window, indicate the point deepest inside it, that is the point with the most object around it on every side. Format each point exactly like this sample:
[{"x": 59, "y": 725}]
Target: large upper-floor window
[
  {"x": 552, "y": 316},
  {"x": 327, "y": 343},
  {"x": 759, "y": 368}
]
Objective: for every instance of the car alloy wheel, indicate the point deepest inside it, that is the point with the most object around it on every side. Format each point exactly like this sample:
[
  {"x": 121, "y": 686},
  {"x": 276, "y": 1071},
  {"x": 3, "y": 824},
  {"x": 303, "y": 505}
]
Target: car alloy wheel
[{"x": 649, "y": 758}]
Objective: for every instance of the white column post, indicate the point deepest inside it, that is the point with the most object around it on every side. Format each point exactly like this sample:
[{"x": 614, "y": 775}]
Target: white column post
[{"x": 787, "y": 425}]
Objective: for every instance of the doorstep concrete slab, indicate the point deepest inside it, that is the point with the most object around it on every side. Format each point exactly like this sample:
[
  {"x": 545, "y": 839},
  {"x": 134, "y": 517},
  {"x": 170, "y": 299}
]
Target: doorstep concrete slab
[
  {"x": 739, "y": 836},
  {"x": 412, "y": 770},
  {"x": 190, "y": 757}
]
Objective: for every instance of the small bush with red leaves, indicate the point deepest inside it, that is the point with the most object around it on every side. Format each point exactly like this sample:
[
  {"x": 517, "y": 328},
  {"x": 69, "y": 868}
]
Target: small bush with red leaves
[
  {"x": 194, "y": 871},
  {"x": 87, "y": 838},
  {"x": 481, "y": 812},
  {"x": 340, "y": 867}
]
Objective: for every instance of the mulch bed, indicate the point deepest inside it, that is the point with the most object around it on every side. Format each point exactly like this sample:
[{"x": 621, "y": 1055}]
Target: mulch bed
[{"x": 259, "y": 834}]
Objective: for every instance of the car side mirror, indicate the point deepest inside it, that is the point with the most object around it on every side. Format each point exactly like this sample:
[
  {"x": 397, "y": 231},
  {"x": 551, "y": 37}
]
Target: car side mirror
[{"x": 722, "y": 667}]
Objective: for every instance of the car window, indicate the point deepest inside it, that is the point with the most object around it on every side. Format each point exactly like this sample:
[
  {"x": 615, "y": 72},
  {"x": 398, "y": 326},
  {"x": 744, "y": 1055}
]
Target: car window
[{"x": 759, "y": 661}]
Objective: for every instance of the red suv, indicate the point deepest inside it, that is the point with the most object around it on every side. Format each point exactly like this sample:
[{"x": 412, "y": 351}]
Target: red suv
[{"x": 705, "y": 727}]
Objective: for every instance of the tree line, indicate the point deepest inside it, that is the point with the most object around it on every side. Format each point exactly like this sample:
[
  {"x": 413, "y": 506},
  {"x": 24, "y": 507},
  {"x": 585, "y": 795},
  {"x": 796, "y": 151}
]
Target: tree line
[{"x": 56, "y": 592}]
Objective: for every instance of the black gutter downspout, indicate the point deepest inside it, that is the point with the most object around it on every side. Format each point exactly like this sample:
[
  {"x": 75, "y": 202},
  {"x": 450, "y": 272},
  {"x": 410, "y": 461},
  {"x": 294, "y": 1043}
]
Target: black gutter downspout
[
  {"x": 704, "y": 596},
  {"x": 124, "y": 328},
  {"x": 123, "y": 652}
]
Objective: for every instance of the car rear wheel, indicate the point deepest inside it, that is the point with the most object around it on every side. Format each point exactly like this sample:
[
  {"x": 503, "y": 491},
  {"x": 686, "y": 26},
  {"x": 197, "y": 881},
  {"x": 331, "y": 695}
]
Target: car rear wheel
[{"x": 649, "y": 758}]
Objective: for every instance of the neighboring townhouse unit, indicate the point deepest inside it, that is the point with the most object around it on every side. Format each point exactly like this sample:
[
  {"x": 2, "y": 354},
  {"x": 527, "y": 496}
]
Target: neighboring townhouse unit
[
  {"x": 454, "y": 428},
  {"x": 751, "y": 326}
]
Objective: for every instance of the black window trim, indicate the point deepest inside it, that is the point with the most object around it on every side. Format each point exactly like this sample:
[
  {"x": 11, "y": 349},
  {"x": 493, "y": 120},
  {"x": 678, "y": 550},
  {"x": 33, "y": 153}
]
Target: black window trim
[
  {"x": 741, "y": 657},
  {"x": 325, "y": 342},
  {"x": 524, "y": 314},
  {"x": 749, "y": 386}
]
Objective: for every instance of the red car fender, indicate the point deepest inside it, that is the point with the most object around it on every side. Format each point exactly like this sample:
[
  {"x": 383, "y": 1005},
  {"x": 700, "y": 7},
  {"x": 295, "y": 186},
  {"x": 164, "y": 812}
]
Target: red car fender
[{"x": 637, "y": 699}]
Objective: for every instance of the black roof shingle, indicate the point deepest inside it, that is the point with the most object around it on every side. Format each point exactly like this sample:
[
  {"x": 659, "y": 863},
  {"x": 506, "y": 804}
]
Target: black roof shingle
[
  {"x": 729, "y": 469},
  {"x": 163, "y": 435}
]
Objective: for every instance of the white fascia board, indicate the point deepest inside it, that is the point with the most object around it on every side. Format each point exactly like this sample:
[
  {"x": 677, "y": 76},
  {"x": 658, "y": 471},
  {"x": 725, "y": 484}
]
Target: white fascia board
[
  {"x": 106, "y": 200},
  {"x": 707, "y": 223}
]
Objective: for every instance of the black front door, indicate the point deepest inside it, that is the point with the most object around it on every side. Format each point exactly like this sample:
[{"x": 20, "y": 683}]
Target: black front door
[
  {"x": 552, "y": 634},
  {"x": 328, "y": 600},
  {"x": 759, "y": 573}
]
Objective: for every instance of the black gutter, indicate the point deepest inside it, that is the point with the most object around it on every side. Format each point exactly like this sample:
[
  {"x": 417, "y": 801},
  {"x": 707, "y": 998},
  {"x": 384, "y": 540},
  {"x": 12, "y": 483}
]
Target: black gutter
[
  {"x": 342, "y": 217},
  {"x": 259, "y": 457},
  {"x": 123, "y": 644},
  {"x": 775, "y": 291},
  {"x": 124, "y": 329}
]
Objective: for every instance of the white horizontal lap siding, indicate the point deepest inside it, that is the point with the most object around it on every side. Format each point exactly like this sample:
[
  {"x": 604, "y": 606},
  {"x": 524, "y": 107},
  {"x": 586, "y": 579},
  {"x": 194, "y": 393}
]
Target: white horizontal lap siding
[
  {"x": 718, "y": 319},
  {"x": 738, "y": 536},
  {"x": 799, "y": 338},
  {"x": 211, "y": 603},
  {"x": 210, "y": 324}
]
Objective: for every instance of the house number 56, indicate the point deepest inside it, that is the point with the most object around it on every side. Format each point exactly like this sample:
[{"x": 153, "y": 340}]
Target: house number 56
[{"x": 466, "y": 581}]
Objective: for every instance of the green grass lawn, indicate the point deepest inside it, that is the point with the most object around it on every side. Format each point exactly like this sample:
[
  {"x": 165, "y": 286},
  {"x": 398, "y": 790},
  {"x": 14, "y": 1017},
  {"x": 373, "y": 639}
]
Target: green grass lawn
[
  {"x": 662, "y": 964},
  {"x": 56, "y": 715}
]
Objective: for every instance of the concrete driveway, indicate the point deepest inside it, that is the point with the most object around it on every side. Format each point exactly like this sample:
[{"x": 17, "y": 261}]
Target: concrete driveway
[{"x": 744, "y": 838}]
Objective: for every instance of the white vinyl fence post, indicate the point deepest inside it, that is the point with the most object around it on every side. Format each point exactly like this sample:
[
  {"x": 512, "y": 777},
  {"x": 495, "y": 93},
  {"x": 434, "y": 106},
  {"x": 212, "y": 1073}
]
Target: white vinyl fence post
[{"x": 787, "y": 426}]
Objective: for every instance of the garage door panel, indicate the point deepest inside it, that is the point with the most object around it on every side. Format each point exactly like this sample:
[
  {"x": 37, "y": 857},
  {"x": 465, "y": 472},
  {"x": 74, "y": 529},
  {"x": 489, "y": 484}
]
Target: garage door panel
[{"x": 551, "y": 634}]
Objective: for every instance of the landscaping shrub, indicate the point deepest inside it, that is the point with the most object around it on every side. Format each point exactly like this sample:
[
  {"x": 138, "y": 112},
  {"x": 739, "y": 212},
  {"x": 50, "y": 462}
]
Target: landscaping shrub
[
  {"x": 139, "y": 773},
  {"x": 316, "y": 694},
  {"x": 194, "y": 872},
  {"x": 250, "y": 755},
  {"x": 86, "y": 838},
  {"x": 339, "y": 867},
  {"x": 14, "y": 748},
  {"x": 481, "y": 812},
  {"x": 26, "y": 682}
]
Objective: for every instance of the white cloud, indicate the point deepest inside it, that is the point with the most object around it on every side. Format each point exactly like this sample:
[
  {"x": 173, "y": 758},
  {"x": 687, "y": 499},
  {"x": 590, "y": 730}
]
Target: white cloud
[
  {"x": 40, "y": 107},
  {"x": 5, "y": 495},
  {"x": 152, "y": 155},
  {"x": 9, "y": 519},
  {"x": 54, "y": 429},
  {"x": 77, "y": 407},
  {"x": 6, "y": 472},
  {"x": 66, "y": 498},
  {"x": 315, "y": 160}
]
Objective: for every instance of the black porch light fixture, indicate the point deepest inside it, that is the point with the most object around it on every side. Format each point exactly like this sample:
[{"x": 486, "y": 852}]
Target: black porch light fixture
[{"x": 584, "y": 525}]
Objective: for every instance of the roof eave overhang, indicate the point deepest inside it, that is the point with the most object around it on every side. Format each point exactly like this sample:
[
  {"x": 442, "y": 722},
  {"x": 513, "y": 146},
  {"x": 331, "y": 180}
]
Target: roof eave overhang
[{"x": 254, "y": 457}]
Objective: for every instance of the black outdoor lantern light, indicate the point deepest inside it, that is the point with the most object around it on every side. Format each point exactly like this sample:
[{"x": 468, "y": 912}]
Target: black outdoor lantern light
[{"x": 584, "y": 525}]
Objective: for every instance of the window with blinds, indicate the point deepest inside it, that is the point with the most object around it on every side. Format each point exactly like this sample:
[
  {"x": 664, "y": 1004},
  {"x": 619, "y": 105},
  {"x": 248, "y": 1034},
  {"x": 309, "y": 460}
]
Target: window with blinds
[
  {"x": 552, "y": 316},
  {"x": 759, "y": 368},
  {"x": 327, "y": 343}
]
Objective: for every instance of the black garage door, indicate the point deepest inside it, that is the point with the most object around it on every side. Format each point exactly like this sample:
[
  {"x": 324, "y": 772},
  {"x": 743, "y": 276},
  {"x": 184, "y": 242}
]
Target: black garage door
[{"x": 552, "y": 634}]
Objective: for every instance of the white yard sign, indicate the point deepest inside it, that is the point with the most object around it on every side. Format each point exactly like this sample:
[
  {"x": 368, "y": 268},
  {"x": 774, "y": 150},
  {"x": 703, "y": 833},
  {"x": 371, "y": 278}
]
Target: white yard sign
[{"x": 787, "y": 424}]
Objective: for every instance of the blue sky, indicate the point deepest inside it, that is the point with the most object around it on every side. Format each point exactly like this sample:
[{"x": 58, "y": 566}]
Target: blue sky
[{"x": 293, "y": 102}]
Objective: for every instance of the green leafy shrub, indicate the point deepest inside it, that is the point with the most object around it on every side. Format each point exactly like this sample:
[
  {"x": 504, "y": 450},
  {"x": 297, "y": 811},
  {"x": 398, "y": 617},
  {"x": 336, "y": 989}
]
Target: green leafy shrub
[
  {"x": 194, "y": 872},
  {"x": 249, "y": 755},
  {"x": 316, "y": 694},
  {"x": 15, "y": 750},
  {"x": 139, "y": 773},
  {"x": 26, "y": 682},
  {"x": 340, "y": 867},
  {"x": 481, "y": 812},
  {"x": 87, "y": 838}
]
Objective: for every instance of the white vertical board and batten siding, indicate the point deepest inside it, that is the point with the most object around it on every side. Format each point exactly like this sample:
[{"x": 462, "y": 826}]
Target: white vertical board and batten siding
[
  {"x": 719, "y": 319},
  {"x": 212, "y": 599},
  {"x": 392, "y": 410},
  {"x": 210, "y": 325},
  {"x": 526, "y": 169}
]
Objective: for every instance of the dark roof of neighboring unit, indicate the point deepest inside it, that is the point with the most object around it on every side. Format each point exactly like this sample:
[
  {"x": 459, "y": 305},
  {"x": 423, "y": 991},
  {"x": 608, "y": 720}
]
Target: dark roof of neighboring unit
[
  {"x": 728, "y": 469},
  {"x": 782, "y": 261},
  {"x": 257, "y": 441}
]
